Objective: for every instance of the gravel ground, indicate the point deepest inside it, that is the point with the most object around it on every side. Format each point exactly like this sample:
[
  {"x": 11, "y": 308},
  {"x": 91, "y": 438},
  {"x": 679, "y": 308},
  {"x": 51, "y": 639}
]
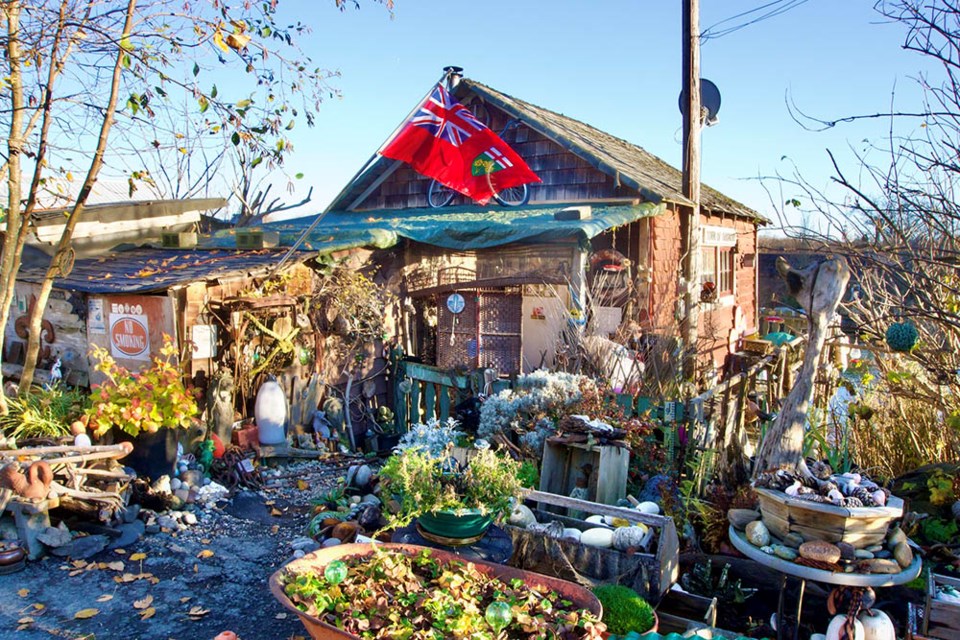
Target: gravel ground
[{"x": 217, "y": 569}]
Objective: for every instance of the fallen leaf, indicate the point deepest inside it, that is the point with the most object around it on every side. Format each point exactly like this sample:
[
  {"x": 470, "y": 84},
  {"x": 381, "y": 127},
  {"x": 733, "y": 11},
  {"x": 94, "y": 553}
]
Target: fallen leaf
[
  {"x": 204, "y": 540},
  {"x": 276, "y": 512},
  {"x": 83, "y": 614},
  {"x": 196, "y": 568},
  {"x": 270, "y": 503},
  {"x": 185, "y": 599},
  {"x": 120, "y": 552},
  {"x": 26, "y": 620},
  {"x": 116, "y": 566},
  {"x": 105, "y": 597},
  {"x": 39, "y": 607},
  {"x": 281, "y": 616},
  {"x": 147, "y": 613},
  {"x": 79, "y": 564},
  {"x": 138, "y": 556},
  {"x": 23, "y": 593},
  {"x": 75, "y": 572},
  {"x": 275, "y": 529},
  {"x": 153, "y": 580},
  {"x": 197, "y": 612},
  {"x": 206, "y": 553},
  {"x": 303, "y": 485},
  {"x": 144, "y": 603}
]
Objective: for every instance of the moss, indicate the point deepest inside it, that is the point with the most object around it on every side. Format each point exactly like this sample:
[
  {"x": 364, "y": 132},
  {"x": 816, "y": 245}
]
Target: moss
[{"x": 623, "y": 609}]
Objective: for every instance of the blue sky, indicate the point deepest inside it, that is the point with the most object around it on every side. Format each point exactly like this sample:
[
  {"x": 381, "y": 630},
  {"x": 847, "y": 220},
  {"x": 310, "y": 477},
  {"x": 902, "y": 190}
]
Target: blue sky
[{"x": 616, "y": 65}]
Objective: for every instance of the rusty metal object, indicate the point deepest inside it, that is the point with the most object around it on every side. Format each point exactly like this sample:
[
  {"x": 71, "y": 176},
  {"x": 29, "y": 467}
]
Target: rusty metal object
[
  {"x": 237, "y": 468},
  {"x": 318, "y": 560}
]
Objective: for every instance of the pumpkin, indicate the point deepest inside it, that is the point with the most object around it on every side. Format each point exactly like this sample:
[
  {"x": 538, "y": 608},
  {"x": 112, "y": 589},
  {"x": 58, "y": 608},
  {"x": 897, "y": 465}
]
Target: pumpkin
[
  {"x": 598, "y": 537},
  {"x": 877, "y": 625},
  {"x": 836, "y": 627},
  {"x": 626, "y": 537}
]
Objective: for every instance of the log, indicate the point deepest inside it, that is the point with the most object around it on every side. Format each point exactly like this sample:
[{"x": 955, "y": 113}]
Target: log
[{"x": 40, "y": 451}]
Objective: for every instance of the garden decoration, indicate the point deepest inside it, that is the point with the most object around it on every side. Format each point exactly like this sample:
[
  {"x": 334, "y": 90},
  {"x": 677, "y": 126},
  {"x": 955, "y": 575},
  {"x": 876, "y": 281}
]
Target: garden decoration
[
  {"x": 402, "y": 591},
  {"x": 34, "y": 484},
  {"x": 902, "y": 336}
]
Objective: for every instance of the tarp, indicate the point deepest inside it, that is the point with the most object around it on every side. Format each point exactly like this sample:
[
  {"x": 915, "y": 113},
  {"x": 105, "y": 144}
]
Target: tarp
[{"x": 456, "y": 228}]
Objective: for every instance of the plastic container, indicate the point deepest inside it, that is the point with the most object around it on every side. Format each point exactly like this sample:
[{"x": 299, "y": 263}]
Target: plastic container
[{"x": 270, "y": 412}]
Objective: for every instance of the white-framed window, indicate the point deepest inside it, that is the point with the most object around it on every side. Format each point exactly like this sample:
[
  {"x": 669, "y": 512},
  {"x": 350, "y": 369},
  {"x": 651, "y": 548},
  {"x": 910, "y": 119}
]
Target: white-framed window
[{"x": 717, "y": 264}]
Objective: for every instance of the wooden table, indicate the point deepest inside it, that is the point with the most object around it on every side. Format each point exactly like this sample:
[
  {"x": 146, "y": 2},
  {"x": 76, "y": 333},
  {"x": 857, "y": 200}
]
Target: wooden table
[{"x": 789, "y": 569}]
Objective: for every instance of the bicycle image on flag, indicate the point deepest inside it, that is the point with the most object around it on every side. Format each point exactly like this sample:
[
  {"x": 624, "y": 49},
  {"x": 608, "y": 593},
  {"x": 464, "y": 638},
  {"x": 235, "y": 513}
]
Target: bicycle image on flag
[{"x": 443, "y": 140}]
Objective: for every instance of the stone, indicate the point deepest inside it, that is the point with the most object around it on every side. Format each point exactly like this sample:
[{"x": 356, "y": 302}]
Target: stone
[
  {"x": 167, "y": 522},
  {"x": 793, "y": 540},
  {"x": 175, "y": 484},
  {"x": 370, "y": 499},
  {"x": 55, "y": 536},
  {"x": 130, "y": 512},
  {"x": 189, "y": 518},
  {"x": 82, "y": 547},
  {"x": 878, "y": 565},
  {"x": 597, "y": 537},
  {"x": 182, "y": 494},
  {"x": 820, "y": 550},
  {"x": 355, "y": 499},
  {"x": 363, "y": 476},
  {"x": 883, "y": 554},
  {"x": 152, "y": 528},
  {"x": 129, "y": 533},
  {"x": 903, "y": 554},
  {"x": 331, "y": 542},
  {"x": 785, "y": 552},
  {"x": 767, "y": 549},
  {"x": 895, "y": 537},
  {"x": 757, "y": 534},
  {"x": 521, "y": 516},
  {"x": 847, "y": 550},
  {"x": 161, "y": 485},
  {"x": 874, "y": 548},
  {"x": 305, "y": 544},
  {"x": 299, "y": 553},
  {"x": 192, "y": 477},
  {"x": 863, "y": 554},
  {"x": 351, "y": 474},
  {"x": 740, "y": 518}
]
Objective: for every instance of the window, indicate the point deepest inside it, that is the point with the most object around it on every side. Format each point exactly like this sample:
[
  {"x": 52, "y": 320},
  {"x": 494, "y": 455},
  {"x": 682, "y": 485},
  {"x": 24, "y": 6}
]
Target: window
[
  {"x": 717, "y": 264},
  {"x": 725, "y": 275}
]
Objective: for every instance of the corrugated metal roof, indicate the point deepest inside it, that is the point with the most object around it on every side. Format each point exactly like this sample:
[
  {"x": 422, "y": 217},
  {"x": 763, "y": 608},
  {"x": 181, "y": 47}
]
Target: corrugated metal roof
[
  {"x": 636, "y": 167},
  {"x": 148, "y": 270},
  {"x": 459, "y": 228}
]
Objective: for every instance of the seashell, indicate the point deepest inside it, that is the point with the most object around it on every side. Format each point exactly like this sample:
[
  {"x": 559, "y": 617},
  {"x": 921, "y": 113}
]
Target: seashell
[
  {"x": 806, "y": 491},
  {"x": 821, "y": 470}
]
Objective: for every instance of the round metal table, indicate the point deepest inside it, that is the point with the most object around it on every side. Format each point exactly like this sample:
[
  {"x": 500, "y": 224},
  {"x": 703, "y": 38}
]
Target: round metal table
[
  {"x": 791, "y": 569},
  {"x": 495, "y": 546}
]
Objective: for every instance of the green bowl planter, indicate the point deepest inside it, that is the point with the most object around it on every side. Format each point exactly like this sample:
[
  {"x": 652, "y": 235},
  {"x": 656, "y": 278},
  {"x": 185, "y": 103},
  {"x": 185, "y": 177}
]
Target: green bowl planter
[{"x": 452, "y": 527}]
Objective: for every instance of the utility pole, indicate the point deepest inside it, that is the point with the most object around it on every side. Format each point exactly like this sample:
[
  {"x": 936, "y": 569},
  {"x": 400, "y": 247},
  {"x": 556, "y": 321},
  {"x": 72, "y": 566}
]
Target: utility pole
[{"x": 692, "y": 120}]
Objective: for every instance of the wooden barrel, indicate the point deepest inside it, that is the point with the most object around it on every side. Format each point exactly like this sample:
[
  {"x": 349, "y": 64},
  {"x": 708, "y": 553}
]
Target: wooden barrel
[{"x": 859, "y": 526}]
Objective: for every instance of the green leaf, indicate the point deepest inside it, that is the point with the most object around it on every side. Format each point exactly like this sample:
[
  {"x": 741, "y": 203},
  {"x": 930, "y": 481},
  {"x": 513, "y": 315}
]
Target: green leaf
[
  {"x": 204, "y": 104},
  {"x": 290, "y": 125},
  {"x": 256, "y": 161},
  {"x": 235, "y": 138},
  {"x": 299, "y": 176},
  {"x": 125, "y": 61},
  {"x": 196, "y": 69},
  {"x": 243, "y": 104},
  {"x": 125, "y": 43},
  {"x": 213, "y": 92}
]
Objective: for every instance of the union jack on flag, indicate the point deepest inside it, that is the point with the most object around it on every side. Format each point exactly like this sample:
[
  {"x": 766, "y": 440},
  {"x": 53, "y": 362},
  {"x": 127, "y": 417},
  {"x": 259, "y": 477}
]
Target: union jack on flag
[{"x": 447, "y": 119}]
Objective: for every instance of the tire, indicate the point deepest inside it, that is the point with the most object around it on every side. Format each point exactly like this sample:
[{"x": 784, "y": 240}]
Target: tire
[
  {"x": 514, "y": 196},
  {"x": 439, "y": 195}
]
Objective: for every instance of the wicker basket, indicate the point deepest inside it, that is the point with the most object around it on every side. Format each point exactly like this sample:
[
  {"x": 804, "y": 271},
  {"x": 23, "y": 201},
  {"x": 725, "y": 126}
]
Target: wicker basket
[{"x": 861, "y": 527}]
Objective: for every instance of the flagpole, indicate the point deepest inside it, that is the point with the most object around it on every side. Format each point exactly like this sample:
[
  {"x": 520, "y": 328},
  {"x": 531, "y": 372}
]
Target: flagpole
[{"x": 366, "y": 165}]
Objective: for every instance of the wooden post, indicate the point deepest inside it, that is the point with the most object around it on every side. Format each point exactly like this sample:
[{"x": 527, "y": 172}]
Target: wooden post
[{"x": 691, "y": 183}]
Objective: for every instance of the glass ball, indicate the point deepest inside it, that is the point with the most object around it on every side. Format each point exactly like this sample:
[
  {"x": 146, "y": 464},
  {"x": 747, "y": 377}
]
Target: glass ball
[
  {"x": 336, "y": 572},
  {"x": 498, "y": 615}
]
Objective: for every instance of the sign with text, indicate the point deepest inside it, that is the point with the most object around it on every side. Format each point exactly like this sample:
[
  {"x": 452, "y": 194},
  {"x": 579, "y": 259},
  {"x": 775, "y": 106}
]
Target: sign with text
[{"x": 129, "y": 336}]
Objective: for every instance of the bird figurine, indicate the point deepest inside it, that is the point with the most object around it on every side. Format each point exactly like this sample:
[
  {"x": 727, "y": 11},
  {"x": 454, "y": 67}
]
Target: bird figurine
[{"x": 32, "y": 485}]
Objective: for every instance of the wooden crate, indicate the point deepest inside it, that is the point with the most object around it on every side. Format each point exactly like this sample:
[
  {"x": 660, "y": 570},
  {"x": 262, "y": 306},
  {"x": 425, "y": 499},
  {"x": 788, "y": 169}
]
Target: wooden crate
[
  {"x": 758, "y": 345},
  {"x": 861, "y": 527},
  {"x": 562, "y": 464},
  {"x": 651, "y": 572},
  {"x": 679, "y": 611},
  {"x": 940, "y": 619}
]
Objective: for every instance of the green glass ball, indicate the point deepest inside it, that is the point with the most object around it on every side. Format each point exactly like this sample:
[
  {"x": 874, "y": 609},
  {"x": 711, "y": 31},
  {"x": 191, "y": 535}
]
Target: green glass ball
[
  {"x": 498, "y": 615},
  {"x": 336, "y": 572}
]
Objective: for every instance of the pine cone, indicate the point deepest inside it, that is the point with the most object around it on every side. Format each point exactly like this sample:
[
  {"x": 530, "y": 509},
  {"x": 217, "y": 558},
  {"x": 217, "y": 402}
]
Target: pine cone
[
  {"x": 863, "y": 495},
  {"x": 852, "y": 503}
]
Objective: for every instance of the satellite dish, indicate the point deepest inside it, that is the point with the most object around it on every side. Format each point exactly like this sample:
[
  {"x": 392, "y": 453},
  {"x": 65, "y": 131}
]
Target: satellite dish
[{"x": 709, "y": 100}]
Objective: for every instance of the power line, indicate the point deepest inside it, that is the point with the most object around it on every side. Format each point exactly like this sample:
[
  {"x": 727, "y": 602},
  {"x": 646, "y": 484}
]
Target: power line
[{"x": 765, "y": 11}]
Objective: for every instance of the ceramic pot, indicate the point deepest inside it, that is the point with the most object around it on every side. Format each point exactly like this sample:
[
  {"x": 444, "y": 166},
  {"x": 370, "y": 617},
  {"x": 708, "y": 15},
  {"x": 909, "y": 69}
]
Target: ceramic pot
[
  {"x": 153, "y": 455},
  {"x": 447, "y": 527}
]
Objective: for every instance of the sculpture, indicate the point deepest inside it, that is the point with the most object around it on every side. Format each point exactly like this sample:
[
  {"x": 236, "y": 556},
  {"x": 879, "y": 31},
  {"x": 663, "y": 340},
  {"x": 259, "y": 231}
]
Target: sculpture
[
  {"x": 818, "y": 288},
  {"x": 32, "y": 485},
  {"x": 220, "y": 406}
]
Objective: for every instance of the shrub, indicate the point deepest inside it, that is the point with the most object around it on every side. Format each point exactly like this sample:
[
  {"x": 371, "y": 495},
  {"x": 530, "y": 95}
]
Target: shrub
[
  {"x": 43, "y": 413},
  {"x": 623, "y": 609}
]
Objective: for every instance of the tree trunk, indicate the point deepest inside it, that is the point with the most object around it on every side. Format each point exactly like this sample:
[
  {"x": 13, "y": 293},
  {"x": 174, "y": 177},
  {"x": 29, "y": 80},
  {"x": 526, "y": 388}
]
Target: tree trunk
[{"x": 61, "y": 257}]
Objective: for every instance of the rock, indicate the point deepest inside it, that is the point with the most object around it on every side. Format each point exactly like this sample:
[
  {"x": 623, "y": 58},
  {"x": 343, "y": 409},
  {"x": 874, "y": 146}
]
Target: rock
[
  {"x": 130, "y": 512},
  {"x": 863, "y": 554},
  {"x": 167, "y": 522},
  {"x": 299, "y": 553},
  {"x": 597, "y": 537},
  {"x": 182, "y": 494},
  {"x": 571, "y": 534},
  {"x": 354, "y": 499},
  {"x": 192, "y": 477},
  {"x": 152, "y": 528},
  {"x": 55, "y": 536},
  {"x": 82, "y": 547},
  {"x": 820, "y": 550},
  {"x": 847, "y": 551},
  {"x": 305, "y": 544},
  {"x": 161, "y": 485},
  {"x": 129, "y": 533},
  {"x": 740, "y": 518},
  {"x": 757, "y": 534},
  {"x": 370, "y": 499},
  {"x": 895, "y": 536},
  {"x": 883, "y": 554},
  {"x": 522, "y": 516},
  {"x": 878, "y": 565},
  {"x": 903, "y": 554},
  {"x": 767, "y": 549},
  {"x": 331, "y": 542},
  {"x": 785, "y": 552},
  {"x": 175, "y": 483},
  {"x": 874, "y": 548},
  {"x": 351, "y": 474},
  {"x": 363, "y": 476},
  {"x": 793, "y": 540},
  {"x": 189, "y": 518}
]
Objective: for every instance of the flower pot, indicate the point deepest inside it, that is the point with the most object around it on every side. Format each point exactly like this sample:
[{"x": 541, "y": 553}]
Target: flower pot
[
  {"x": 318, "y": 560},
  {"x": 153, "y": 455},
  {"x": 454, "y": 528}
]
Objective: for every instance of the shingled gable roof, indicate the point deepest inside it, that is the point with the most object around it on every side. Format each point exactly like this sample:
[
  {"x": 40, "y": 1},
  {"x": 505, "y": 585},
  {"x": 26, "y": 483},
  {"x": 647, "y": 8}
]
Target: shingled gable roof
[{"x": 633, "y": 166}]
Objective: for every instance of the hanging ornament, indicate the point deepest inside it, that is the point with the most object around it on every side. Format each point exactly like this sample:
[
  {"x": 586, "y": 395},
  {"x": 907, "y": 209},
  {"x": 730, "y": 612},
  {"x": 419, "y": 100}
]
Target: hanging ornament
[
  {"x": 902, "y": 336},
  {"x": 498, "y": 615},
  {"x": 336, "y": 572}
]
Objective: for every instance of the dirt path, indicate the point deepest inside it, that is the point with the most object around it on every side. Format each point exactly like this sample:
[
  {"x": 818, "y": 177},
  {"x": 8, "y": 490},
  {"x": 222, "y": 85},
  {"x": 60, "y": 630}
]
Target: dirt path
[{"x": 218, "y": 568}]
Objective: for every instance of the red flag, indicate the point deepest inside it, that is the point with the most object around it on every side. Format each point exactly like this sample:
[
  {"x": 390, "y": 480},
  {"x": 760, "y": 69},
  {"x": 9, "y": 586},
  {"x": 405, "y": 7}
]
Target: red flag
[{"x": 445, "y": 141}]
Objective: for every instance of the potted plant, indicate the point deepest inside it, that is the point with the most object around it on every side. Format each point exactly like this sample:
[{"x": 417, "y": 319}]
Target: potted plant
[
  {"x": 624, "y": 610},
  {"x": 145, "y": 407},
  {"x": 451, "y": 501}
]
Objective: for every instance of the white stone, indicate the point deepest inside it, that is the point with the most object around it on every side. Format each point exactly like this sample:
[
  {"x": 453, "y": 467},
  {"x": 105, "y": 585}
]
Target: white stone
[
  {"x": 595, "y": 519},
  {"x": 571, "y": 534},
  {"x": 648, "y": 507},
  {"x": 175, "y": 483},
  {"x": 597, "y": 537},
  {"x": 189, "y": 518}
]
